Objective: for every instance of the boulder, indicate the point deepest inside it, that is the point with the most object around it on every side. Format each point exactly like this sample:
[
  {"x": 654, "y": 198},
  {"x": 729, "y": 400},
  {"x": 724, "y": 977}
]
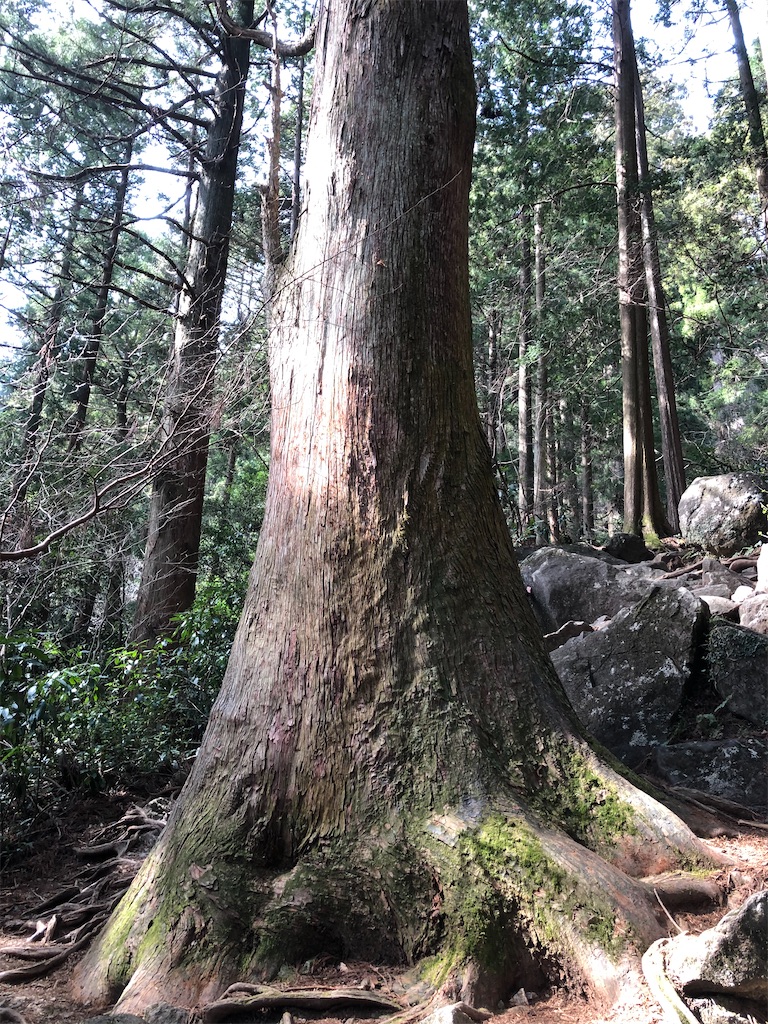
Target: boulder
[
  {"x": 753, "y": 613},
  {"x": 626, "y": 681},
  {"x": 567, "y": 587},
  {"x": 737, "y": 665},
  {"x": 730, "y": 959},
  {"x": 719, "y": 605},
  {"x": 762, "y": 570},
  {"x": 731, "y": 769},
  {"x": 724, "y": 513},
  {"x": 566, "y": 632},
  {"x": 628, "y": 547}
]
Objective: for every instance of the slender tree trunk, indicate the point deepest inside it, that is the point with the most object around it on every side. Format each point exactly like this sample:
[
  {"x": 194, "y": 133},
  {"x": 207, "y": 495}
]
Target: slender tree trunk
[
  {"x": 90, "y": 352},
  {"x": 671, "y": 442},
  {"x": 587, "y": 500},
  {"x": 642, "y": 500},
  {"x": 391, "y": 767},
  {"x": 567, "y": 470},
  {"x": 524, "y": 387},
  {"x": 169, "y": 572},
  {"x": 270, "y": 192},
  {"x": 48, "y": 354},
  {"x": 493, "y": 384},
  {"x": 630, "y": 263},
  {"x": 653, "y": 518},
  {"x": 546, "y": 527},
  {"x": 757, "y": 146},
  {"x": 297, "y": 143},
  {"x": 552, "y": 477}
]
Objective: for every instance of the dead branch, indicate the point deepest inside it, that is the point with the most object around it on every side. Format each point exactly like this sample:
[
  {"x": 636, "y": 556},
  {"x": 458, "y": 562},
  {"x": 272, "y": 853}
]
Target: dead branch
[{"x": 296, "y": 48}]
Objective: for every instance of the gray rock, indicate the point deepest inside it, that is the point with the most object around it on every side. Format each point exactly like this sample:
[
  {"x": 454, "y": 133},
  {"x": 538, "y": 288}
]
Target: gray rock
[
  {"x": 566, "y": 632},
  {"x": 627, "y": 547},
  {"x": 753, "y": 613},
  {"x": 737, "y": 660},
  {"x": 162, "y": 1013},
  {"x": 714, "y": 573},
  {"x": 724, "y": 513},
  {"x": 712, "y": 590},
  {"x": 115, "y": 1018},
  {"x": 719, "y": 605},
  {"x": 730, "y": 959},
  {"x": 732, "y": 769},
  {"x": 626, "y": 681},
  {"x": 566, "y": 586},
  {"x": 453, "y": 1014}
]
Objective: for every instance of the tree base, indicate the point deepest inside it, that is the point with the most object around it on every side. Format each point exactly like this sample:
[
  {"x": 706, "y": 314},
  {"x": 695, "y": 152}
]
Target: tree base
[{"x": 485, "y": 898}]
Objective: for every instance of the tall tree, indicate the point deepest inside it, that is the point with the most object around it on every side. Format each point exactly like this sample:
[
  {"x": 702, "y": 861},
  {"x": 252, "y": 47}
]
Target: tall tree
[
  {"x": 391, "y": 766},
  {"x": 169, "y": 571},
  {"x": 642, "y": 500},
  {"x": 671, "y": 441},
  {"x": 758, "y": 151}
]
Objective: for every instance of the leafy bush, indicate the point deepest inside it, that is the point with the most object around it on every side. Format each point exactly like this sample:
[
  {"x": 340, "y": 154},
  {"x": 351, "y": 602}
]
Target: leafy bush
[{"x": 70, "y": 723}]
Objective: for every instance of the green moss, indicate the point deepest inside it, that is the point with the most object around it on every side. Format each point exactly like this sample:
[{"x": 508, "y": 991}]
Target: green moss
[
  {"x": 506, "y": 884},
  {"x": 586, "y": 806}
]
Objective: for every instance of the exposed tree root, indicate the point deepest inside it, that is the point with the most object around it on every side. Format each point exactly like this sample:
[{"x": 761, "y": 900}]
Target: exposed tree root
[
  {"x": 496, "y": 877},
  {"x": 81, "y": 910},
  {"x": 680, "y": 890},
  {"x": 664, "y": 992},
  {"x": 241, "y": 999}
]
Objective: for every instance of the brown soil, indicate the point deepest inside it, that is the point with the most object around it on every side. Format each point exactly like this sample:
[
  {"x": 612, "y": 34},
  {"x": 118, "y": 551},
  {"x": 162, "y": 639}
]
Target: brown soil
[{"x": 53, "y": 865}]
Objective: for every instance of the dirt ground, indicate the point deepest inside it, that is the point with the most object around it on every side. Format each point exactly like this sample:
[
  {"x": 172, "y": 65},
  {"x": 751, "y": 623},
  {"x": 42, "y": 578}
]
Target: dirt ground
[{"x": 52, "y": 865}]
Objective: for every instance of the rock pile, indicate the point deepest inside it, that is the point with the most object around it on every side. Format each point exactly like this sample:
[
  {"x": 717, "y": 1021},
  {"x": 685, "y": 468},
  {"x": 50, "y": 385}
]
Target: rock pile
[{"x": 669, "y": 670}]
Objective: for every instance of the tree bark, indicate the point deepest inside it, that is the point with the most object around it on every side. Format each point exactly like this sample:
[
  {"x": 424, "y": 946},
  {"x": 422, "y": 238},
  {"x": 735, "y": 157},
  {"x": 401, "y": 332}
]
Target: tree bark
[
  {"x": 642, "y": 500},
  {"x": 542, "y": 419},
  {"x": 391, "y": 747},
  {"x": 493, "y": 384},
  {"x": 524, "y": 388},
  {"x": 671, "y": 441},
  {"x": 587, "y": 498},
  {"x": 169, "y": 572},
  {"x": 628, "y": 283},
  {"x": 90, "y": 352},
  {"x": 757, "y": 146}
]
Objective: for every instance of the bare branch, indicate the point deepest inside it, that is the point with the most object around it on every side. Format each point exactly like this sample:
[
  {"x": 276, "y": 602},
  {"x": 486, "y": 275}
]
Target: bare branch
[
  {"x": 92, "y": 172},
  {"x": 295, "y": 48}
]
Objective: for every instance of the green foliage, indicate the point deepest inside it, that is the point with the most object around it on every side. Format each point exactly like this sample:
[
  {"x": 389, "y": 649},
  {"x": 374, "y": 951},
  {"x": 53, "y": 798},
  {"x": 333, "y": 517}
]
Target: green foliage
[{"x": 69, "y": 723}]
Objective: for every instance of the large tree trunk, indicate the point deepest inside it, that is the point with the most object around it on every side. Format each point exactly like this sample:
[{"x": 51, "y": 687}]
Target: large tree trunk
[
  {"x": 169, "y": 572},
  {"x": 391, "y": 767}
]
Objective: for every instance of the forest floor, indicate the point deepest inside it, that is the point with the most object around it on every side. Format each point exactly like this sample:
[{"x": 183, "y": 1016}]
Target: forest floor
[{"x": 52, "y": 864}]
